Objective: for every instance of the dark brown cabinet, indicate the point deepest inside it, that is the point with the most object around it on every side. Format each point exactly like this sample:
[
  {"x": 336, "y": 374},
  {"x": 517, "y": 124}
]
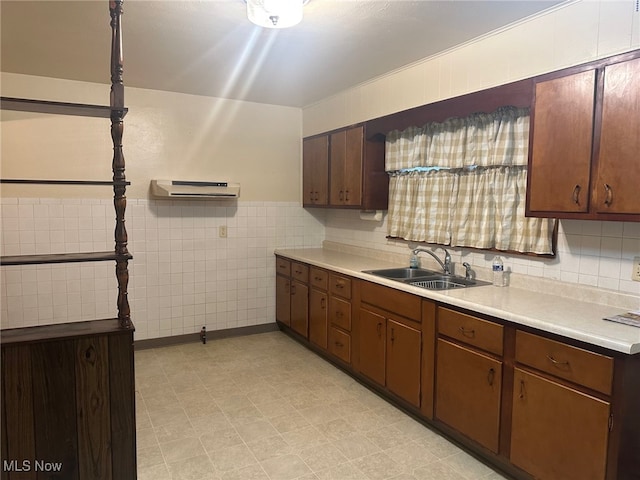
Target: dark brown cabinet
[
  {"x": 558, "y": 431},
  {"x": 468, "y": 391},
  {"x": 584, "y": 141},
  {"x": 300, "y": 308},
  {"x": 292, "y": 295},
  {"x": 283, "y": 291},
  {"x": 345, "y": 169},
  {"x": 318, "y": 307},
  {"x": 403, "y": 350},
  {"x": 390, "y": 340},
  {"x": 561, "y": 409},
  {"x": 315, "y": 168},
  {"x": 339, "y": 342}
]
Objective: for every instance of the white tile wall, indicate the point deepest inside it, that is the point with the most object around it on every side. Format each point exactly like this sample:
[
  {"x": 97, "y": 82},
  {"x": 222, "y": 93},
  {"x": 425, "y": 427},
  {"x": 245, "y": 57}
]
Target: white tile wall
[
  {"x": 590, "y": 253},
  {"x": 183, "y": 275}
]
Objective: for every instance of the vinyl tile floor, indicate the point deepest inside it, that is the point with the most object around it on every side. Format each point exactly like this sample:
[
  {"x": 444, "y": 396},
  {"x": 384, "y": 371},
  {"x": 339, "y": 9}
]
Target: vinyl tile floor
[{"x": 264, "y": 407}]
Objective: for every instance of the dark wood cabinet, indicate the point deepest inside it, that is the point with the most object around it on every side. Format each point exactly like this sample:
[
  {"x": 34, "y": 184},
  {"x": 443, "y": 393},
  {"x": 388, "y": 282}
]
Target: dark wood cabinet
[
  {"x": 344, "y": 169},
  {"x": 283, "y": 291},
  {"x": 372, "y": 331},
  {"x": 468, "y": 392},
  {"x": 390, "y": 340},
  {"x": 318, "y": 317},
  {"x": 315, "y": 168},
  {"x": 403, "y": 353},
  {"x": 340, "y": 292},
  {"x": 69, "y": 399},
  {"x": 558, "y": 431},
  {"x": 583, "y": 160},
  {"x": 300, "y": 308}
]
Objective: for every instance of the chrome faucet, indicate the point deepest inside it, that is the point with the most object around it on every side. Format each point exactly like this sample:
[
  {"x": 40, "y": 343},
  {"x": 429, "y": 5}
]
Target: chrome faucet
[{"x": 446, "y": 266}]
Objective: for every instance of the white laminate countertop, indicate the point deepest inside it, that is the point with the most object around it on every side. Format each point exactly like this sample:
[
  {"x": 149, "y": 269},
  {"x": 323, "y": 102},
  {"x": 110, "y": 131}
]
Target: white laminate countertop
[{"x": 570, "y": 318}]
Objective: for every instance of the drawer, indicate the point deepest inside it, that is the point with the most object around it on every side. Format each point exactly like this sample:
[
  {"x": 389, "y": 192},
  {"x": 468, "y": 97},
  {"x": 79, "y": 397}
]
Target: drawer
[
  {"x": 471, "y": 330},
  {"x": 340, "y": 286},
  {"x": 392, "y": 300},
  {"x": 340, "y": 344},
  {"x": 340, "y": 313},
  {"x": 318, "y": 278},
  {"x": 577, "y": 365},
  {"x": 300, "y": 271},
  {"x": 283, "y": 266}
]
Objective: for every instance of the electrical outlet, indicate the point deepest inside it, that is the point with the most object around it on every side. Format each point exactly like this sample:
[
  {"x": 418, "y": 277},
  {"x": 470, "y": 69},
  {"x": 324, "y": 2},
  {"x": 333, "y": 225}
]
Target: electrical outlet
[
  {"x": 222, "y": 231},
  {"x": 635, "y": 274}
]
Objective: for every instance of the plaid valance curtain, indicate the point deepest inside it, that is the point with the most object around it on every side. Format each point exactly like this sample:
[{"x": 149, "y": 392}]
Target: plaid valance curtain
[{"x": 463, "y": 183}]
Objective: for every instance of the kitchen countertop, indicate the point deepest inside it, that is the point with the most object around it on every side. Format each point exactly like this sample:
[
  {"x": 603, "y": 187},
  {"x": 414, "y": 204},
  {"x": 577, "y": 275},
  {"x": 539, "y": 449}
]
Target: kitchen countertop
[{"x": 570, "y": 318}]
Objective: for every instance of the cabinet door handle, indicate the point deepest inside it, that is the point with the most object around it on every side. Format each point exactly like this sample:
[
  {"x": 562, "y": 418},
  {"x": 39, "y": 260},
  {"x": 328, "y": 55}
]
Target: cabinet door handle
[
  {"x": 379, "y": 328},
  {"x": 467, "y": 332},
  {"x": 491, "y": 376},
  {"x": 393, "y": 337},
  {"x": 608, "y": 200},
  {"x": 576, "y": 194},
  {"x": 522, "y": 390},
  {"x": 311, "y": 196},
  {"x": 346, "y": 197},
  {"x": 558, "y": 363},
  {"x": 341, "y": 196},
  {"x": 322, "y": 303},
  {"x": 293, "y": 289},
  {"x": 317, "y": 196}
]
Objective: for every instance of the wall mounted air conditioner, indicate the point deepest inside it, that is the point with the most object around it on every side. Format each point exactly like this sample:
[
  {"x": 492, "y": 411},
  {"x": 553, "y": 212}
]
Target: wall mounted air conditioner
[{"x": 193, "y": 189}]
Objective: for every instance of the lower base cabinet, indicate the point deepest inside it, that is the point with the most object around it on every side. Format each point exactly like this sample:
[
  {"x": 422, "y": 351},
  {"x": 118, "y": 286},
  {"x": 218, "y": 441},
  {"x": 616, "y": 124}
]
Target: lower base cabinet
[
  {"x": 371, "y": 345},
  {"x": 468, "y": 392},
  {"x": 404, "y": 349},
  {"x": 558, "y": 432},
  {"x": 300, "y": 308}
]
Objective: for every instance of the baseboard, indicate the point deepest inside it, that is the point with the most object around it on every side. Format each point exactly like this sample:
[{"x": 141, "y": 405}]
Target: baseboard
[{"x": 211, "y": 335}]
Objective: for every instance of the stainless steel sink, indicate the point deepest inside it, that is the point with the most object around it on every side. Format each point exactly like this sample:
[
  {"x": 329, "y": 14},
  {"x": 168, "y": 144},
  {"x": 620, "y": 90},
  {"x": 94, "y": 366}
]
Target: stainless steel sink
[
  {"x": 402, "y": 273},
  {"x": 428, "y": 279},
  {"x": 445, "y": 282}
]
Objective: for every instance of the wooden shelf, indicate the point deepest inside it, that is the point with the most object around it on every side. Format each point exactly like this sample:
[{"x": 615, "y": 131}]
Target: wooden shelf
[
  {"x": 28, "y": 181},
  {"x": 59, "y": 108},
  {"x": 12, "y": 336},
  {"x": 62, "y": 258}
]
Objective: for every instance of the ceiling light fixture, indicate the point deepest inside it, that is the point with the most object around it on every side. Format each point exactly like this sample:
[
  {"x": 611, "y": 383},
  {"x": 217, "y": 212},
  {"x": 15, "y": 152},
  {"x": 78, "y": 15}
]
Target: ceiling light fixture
[{"x": 275, "y": 13}]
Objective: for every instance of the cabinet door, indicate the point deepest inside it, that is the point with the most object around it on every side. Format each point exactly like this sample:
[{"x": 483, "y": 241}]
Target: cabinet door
[
  {"x": 558, "y": 432},
  {"x": 617, "y": 186},
  {"x": 468, "y": 387},
  {"x": 283, "y": 299},
  {"x": 299, "y": 307},
  {"x": 560, "y": 157},
  {"x": 315, "y": 171},
  {"x": 318, "y": 317},
  {"x": 353, "y": 166},
  {"x": 338, "y": 157},
  {"x": 403, "y": 361},
  {"x": 371, "y": 344}
]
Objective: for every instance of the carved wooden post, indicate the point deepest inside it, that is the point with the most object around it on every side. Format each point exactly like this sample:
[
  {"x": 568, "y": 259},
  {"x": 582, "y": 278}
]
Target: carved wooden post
[{"x": 119, "y": 188}]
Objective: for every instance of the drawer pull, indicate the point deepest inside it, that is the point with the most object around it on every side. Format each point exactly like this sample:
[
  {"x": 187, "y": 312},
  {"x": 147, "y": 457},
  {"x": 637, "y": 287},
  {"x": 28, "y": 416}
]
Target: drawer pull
[
  {"x": 339, "y": 285},
  {"x": 339, "y": 344},
  {"x": 558, "y": 363},
  {"x": 317, "y": 279},
  {"x": 491, "y": 376},
  {"x": 576, "y": 194},
  {"x": 467, "y": 332},
  {"x": 282, "y": 266},
  {"x": 609, "y": 192},
  {"x": 298, "y": 272},
  {"x": 339, "y": 314}
]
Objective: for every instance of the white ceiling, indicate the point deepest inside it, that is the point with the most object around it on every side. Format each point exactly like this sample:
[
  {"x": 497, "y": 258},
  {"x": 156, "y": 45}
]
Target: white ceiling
[{"x": 207, "y": 47}]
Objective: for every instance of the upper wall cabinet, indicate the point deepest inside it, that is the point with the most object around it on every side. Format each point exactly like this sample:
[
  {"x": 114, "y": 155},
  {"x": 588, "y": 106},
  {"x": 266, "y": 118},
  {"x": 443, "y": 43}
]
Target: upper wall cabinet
[
  {"x": 585, "y": 138},
  {"x": 344, "y": 169}
]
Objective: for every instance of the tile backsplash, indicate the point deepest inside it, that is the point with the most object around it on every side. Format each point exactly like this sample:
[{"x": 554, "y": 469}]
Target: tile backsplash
[
  {"x": 589, "y": 253},
  {"x": 183, "y": 274}
]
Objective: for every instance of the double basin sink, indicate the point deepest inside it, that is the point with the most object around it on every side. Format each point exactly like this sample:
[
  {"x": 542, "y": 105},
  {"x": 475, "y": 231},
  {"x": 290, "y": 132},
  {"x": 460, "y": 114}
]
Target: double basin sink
[{"x": 427, "y": 279}]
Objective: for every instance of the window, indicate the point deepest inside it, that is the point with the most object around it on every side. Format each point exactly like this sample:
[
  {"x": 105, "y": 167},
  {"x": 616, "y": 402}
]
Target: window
[{"x": 463, "y": 182}]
